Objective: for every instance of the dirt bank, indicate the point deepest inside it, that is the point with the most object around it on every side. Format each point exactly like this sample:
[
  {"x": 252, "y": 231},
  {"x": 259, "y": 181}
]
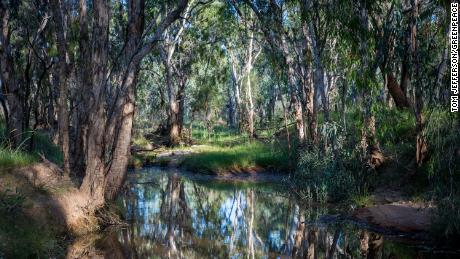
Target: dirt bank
[
  {"x": 399, "y": 216},
  {"x": 52, "y": 197}
]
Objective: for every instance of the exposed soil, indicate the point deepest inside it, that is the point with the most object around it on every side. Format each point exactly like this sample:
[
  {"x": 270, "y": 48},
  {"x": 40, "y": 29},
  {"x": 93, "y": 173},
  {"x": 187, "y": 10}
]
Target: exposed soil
[
  {"x": 399, "y": 216},
  {"x": 54, "y": 198},
  {"x": 393, "y": 208}
]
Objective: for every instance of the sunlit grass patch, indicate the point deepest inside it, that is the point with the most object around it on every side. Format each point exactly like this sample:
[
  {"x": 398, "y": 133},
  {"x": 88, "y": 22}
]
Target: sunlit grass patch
[
  {"x": 237, "y": 158},
  {"x": 12, "y": 158}
]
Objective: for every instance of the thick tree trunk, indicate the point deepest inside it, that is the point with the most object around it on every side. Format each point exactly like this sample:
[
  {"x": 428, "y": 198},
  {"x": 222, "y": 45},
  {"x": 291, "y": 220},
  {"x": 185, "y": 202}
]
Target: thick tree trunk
[
  {"x": 93, "y": 182},
  {"x": 82, "y": 103},
  {"x": 174, "y": 112},
  {"x": 395, "y": 90},
  {"x": 318, "y": 77},
  {"x": 116, "y": 172},
  {"x": 63, "y": 115}
]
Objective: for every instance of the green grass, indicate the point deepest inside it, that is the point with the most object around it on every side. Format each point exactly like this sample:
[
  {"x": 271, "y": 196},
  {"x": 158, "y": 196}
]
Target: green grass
[
  {"x": 141, "y": 141},
  {"x": 237, "y": 158},
  {"x": 28, "y": 153},
  {"x": 362, "y": 200},
  {"x": 221, "y": 136},
  {"x": 10, "y": 158}
]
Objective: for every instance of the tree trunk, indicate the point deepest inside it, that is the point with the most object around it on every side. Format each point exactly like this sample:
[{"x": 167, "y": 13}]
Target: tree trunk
[
  {"x": 250, "y": 106},
  {"x": 421, "y": 143},
  {"x": 173, "y": 106},
  {"x": 369, "y": 142},
  {"x": 181, "y": 101},
  {"x": 231, "y": 109},
  {"x": 82, "y": 102},
  {"x": 93, "y": 182},
  {"x": 318, "y": 77},
  {"x": 63, "y": 115},
  {"x": 208, "y": 117},
  {"x": 298, "y": 112},
  {"x": 174, "y": 111},
  {"x": 271, "y": 103},
  {"x": 395, "y": 90},
  {"x": 10, "y": 83}
]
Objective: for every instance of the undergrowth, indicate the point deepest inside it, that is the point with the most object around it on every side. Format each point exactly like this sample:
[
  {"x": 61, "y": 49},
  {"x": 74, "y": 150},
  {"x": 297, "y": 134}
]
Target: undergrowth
[{"x": 33, "y": 145}]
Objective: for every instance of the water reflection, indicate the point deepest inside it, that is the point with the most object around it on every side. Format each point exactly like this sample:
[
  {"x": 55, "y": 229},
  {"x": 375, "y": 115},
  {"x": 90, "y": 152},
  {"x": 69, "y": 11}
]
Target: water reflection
[{"x": 173, "y": 216}]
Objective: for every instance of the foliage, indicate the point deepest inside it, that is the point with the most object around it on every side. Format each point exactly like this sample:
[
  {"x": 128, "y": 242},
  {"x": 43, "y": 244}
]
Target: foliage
[
  {"x": 335, "y": 176},
  {"x": 446, "y": 223},
  {"x": 443, "y": 171},
  {"x": 35, "y": 143},
  {"x": 442, "y": 132}
]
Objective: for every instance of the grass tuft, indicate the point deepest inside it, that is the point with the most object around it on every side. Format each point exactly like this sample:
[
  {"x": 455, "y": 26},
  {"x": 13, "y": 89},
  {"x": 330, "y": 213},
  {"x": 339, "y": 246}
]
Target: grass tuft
[{"x": 10, "y": 158}]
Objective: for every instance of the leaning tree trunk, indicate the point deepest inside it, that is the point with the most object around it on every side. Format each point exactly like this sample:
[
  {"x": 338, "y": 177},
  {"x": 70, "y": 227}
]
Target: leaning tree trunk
[{"x": 395, "y": 90}]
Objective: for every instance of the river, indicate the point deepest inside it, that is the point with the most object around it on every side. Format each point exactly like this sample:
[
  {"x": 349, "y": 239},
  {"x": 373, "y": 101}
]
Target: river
[{"x": 173, "y": 214}]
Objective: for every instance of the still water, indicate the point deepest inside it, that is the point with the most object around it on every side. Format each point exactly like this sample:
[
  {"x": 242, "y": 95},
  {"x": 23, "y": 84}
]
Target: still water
[{"x": 173, "y": 214}]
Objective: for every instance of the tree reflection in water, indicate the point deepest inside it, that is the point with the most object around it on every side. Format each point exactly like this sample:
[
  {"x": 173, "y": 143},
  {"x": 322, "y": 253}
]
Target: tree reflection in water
[{"x": 172, "y": 216}]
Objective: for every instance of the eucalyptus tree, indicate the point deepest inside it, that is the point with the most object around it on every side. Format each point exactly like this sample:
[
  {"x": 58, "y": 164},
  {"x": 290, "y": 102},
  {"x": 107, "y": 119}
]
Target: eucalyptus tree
[
  {"x": 110, "y": 50},
  {"x": 271, "y": 18},
  {"x": 173, "y": 37},
  {"x": 243, "y": 52}
]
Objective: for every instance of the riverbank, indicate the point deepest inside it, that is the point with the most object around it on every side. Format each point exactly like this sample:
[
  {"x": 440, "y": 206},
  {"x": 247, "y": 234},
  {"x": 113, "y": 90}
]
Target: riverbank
[
  {"x": 389, "y": 209},
  {"x": 29, "y": 226},
  {"x": 42, "y": 211},
  {"x": 219, "y": 157},
  {"x": 384, "y": 203}
]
